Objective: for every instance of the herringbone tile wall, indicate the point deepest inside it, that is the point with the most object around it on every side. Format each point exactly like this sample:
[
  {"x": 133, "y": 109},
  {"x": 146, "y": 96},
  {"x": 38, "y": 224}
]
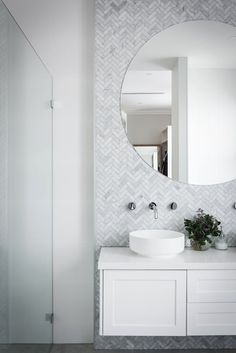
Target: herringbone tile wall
[{"x": 122, "y": 27}]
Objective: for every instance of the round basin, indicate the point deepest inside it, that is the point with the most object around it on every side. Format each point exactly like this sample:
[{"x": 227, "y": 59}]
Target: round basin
[{"x": 154, "y": 243}]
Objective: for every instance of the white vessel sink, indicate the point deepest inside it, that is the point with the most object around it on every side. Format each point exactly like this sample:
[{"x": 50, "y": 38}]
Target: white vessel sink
[{"x": 154, "y": 243}]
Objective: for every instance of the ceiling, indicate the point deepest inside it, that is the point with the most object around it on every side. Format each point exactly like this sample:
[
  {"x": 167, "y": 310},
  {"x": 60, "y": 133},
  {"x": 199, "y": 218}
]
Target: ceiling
[
  {"x": 206, "y": 44},
  {"x": 151, "y": 92}
]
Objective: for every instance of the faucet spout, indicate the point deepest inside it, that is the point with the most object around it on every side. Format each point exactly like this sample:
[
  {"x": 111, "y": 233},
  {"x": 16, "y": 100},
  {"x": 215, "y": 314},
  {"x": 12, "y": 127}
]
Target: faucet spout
[{"x": 153, "y": 207}]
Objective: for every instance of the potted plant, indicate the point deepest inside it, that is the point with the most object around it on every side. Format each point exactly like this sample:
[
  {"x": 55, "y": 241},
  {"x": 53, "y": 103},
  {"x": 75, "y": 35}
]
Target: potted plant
[{"x": 202, "y": 229}]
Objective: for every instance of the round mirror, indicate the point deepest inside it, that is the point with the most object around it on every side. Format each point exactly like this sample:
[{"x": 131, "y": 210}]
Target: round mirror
[{"x": 178, "y": 102}]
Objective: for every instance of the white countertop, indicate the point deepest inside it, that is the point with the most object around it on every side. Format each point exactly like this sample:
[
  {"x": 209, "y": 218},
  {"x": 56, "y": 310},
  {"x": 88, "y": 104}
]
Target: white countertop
[{"x": 121, "y": 258}]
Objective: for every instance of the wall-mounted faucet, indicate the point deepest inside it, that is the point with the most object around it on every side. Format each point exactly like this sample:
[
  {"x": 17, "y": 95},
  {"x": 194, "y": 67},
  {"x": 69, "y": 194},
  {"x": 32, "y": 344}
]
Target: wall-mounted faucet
[{"x": 153, "y": 207}]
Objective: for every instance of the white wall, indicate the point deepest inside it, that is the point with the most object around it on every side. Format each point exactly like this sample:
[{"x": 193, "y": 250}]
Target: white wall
[
  {"x": 179, "y": 120},
  {"x": 212, "y": 125},
  {"x": 146, "y": 129},
  {"x": 4, "y": 309},
  {"x": 61, "y": 31}
]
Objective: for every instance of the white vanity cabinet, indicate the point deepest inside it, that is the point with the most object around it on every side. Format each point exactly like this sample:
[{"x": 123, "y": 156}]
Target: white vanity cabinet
[
  {"x": 143, "y": 303},
  {"x": 193, "y": 293}
]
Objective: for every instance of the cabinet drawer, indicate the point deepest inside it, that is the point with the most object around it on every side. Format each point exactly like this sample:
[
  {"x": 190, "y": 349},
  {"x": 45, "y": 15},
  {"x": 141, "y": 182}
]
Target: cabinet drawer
[
  {"x": 211, "y": 319},
  {"x": 144, "y": 303},
  {"x": 215, "y": 286}
]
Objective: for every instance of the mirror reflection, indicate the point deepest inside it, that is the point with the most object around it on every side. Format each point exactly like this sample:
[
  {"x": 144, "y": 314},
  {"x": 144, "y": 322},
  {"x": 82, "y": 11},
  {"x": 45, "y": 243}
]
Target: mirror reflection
[{"x": 178, "y": 102}]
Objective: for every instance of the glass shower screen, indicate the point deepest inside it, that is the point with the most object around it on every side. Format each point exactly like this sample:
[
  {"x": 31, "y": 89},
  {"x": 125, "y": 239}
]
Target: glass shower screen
[{"x": 25, "y": 190}]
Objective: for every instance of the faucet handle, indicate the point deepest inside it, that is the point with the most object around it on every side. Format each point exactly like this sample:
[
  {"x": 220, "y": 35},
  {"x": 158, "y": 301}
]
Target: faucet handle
[
  {"x": 131, "y": 206},
  {"x": 152, "y": 205},
  {"x": 173, "y": 206}
]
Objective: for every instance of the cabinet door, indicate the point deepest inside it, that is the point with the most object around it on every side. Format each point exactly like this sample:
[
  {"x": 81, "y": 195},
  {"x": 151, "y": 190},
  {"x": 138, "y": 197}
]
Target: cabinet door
[
  {"x": 144, "y": 303},
  {"x": 211, "y": 302},
  {"x": 212, "y": 286},
  {"x": 207, "y": 319}
]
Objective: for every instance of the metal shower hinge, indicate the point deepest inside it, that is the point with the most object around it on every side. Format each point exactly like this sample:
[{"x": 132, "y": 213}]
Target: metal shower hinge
[
  {"x": 52, "y": 103},
  {"x": 49, "y": 317}
]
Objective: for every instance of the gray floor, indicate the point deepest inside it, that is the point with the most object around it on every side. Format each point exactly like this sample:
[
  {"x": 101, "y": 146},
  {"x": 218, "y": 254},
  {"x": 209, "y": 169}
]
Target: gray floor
[
  {"x": 88, "y": 348},
  {"x": 26, "y": 348}
]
